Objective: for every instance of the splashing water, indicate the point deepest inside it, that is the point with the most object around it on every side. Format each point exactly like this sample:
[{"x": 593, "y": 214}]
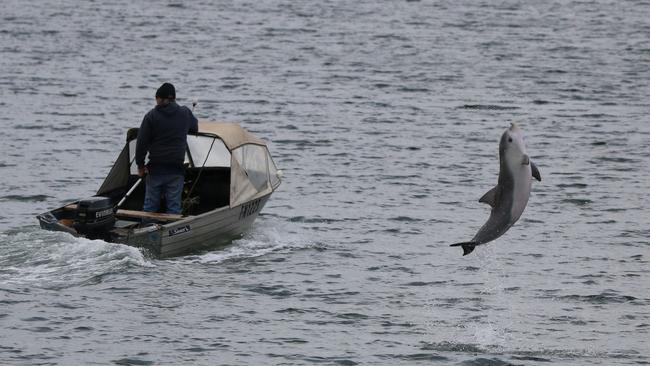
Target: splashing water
[
  {"x": 59, "y": 260},
  {"x": 265, "y": 238}
]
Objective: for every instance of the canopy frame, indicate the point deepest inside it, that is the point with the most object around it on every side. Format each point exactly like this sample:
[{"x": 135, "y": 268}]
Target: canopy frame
[{"x": 234, "y": 138}]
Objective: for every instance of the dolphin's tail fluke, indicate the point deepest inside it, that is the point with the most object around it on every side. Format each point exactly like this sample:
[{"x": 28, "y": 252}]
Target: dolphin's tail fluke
[{"x": 468, "y": 247}]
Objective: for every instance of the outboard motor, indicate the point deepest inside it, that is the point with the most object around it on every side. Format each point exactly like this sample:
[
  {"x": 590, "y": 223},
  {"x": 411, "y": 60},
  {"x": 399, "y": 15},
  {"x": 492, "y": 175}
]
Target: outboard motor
[{"x": 95, "y": 217}]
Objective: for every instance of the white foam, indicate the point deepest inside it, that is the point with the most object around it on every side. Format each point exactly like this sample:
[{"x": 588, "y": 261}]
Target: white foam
[
  {"x": 51, "y": 259},
  {"x": 264, "y": 239}
]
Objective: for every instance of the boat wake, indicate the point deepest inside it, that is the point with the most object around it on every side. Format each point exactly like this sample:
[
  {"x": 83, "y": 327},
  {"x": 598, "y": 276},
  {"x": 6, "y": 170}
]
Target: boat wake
[
  {"x": 266, "y": 237},
  {"x": 55, "y": 260}
]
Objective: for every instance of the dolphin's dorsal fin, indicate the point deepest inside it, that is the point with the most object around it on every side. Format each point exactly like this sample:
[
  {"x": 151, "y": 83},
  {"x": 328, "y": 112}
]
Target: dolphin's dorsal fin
[
  {"x": 535, "y": 171},
  {"x": 492, "y": 196}
]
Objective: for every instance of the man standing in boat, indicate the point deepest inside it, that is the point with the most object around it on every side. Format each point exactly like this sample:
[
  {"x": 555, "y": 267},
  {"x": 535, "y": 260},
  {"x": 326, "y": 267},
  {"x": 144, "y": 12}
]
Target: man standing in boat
[{"x": 163, "y": 134}]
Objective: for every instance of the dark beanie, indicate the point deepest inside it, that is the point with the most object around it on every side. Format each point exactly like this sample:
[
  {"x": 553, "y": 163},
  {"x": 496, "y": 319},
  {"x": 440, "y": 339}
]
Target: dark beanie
[{"x": 166, "y": 91}]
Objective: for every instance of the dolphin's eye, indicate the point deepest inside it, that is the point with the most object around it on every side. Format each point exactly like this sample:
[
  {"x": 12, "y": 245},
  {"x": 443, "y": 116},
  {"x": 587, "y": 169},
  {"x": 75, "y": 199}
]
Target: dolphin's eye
[{"x": 509, "y": 139}]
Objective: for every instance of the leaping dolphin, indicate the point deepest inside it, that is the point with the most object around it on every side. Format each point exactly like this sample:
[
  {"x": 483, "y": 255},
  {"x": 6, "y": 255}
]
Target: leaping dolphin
[{"x": 510, "y": 196}]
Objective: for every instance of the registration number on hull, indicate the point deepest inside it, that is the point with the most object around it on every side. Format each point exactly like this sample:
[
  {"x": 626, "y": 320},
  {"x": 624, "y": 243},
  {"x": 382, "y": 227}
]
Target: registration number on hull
[{"x": 249, "y": 208}]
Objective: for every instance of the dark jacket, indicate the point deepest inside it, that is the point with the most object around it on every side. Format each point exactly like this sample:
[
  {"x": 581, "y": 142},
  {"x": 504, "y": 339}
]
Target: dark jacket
[{"x": 163, "y": 133}]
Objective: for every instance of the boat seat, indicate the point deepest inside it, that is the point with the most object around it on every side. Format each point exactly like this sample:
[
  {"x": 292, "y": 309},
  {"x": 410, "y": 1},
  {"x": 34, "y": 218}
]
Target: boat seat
[
  {"x": 140, "y": 214},
  {"x": 149, "y": 215}
]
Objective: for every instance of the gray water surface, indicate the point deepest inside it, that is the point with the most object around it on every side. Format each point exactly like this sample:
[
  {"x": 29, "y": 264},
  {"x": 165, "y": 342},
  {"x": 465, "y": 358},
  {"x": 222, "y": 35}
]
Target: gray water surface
[{"x": 385, "y": 117}]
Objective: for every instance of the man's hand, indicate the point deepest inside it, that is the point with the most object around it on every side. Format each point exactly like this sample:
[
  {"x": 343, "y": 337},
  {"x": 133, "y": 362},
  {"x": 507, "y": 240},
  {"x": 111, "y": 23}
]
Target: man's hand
[{"x": 142, "y": 171}]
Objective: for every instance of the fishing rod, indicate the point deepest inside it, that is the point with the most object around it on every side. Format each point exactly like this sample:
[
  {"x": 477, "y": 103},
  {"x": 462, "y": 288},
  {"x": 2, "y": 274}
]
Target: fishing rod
[
  {"x": 188, "y": 201},
  {"x": 198, "y": 176}
]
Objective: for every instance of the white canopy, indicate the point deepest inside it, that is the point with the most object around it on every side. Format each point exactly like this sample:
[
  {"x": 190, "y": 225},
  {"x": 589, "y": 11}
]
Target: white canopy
[
  {"x": 217, "y": 145},
  {"x": 232, "y": 134}
]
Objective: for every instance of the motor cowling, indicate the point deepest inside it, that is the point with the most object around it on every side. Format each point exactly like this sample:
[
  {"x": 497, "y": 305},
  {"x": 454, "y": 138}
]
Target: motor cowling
[{"x": 95, "y": 216}]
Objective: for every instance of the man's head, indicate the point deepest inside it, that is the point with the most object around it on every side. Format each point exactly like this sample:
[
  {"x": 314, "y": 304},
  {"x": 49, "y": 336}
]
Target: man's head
[{"x": 165, "y": 93}]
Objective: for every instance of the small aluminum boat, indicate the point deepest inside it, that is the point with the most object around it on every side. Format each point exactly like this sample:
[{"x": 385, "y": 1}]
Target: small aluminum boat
[{"x": 229, "y": 177}]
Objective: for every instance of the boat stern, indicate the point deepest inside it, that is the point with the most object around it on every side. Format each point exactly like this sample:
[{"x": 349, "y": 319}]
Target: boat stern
[{"x": 49, "y": 221}]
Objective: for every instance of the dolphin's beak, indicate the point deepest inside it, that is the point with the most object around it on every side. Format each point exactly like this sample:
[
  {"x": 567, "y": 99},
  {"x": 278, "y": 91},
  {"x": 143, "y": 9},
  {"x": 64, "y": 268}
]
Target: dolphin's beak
[{"x": 514, "y": 127}]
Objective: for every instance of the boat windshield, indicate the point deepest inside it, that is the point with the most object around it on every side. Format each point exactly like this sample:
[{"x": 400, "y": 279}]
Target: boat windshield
[
  {"x": 253, "y": 173},
  {"x": 199, "y": 147}
]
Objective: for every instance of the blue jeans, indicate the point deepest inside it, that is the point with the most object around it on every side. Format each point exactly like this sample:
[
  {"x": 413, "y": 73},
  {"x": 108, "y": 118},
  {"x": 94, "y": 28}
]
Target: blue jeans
[{"x": 169, "y": 185}]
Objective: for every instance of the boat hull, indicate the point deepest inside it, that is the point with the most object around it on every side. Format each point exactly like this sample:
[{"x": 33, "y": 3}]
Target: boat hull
[
  {"x": 190, "y": 234},
  {"x": 209, "y": 229}
]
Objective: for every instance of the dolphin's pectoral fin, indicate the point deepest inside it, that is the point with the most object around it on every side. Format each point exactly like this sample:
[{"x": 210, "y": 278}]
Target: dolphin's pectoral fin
[
  {"x": 526, "y": 160},
  {"x": 492, "y": 196},
  {"x": 468, "y": 247},
  {"x": 535, "y": 171}
]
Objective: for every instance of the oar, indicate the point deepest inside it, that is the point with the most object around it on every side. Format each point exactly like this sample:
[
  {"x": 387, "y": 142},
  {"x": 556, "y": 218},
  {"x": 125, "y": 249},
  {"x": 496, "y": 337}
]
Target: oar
[{"x": 137, "y": 183}]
